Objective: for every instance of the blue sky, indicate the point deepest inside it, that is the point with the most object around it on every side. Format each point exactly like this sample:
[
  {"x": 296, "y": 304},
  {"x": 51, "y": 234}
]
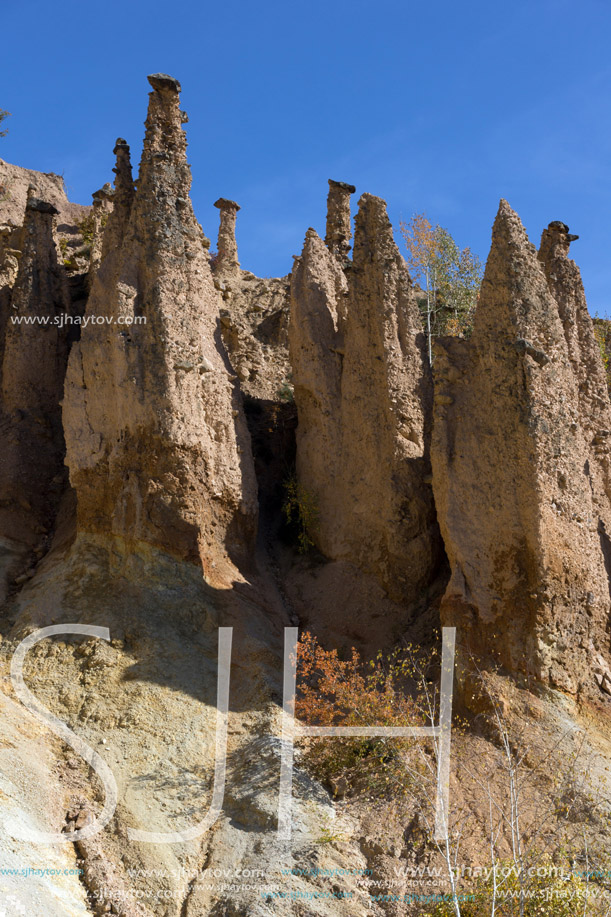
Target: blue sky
[{"x": 438, "y": 107}]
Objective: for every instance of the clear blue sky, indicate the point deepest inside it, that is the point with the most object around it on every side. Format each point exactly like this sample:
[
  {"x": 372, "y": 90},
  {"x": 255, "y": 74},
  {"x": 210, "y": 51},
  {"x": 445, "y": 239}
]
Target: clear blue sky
[{"x": 439, "y": 107}]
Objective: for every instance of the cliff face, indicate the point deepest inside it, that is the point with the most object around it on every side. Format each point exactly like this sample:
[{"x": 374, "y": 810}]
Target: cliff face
[
  {"x": 157, "y": 444},
  {"x": 254, "y": 317},
  {"x": 160, "y": 460},
  {"x": 15, "y": 183},
  {"x": 33, "y": 366},
  {"x": 9, "y": 266},
  {"x": 362, "y": 389},
  {"x": 512, "y": 477}
]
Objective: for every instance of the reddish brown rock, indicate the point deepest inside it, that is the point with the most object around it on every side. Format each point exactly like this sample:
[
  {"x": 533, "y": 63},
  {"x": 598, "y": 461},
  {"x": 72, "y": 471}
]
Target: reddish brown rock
[
  {"x": 157, "y": 444},
  {"x": 362, "y": 388},
  {"x": 512, "y": 481}
]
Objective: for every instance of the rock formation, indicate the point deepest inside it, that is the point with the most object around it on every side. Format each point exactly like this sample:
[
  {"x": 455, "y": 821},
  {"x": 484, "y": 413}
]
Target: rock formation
[
  {"x": 254, "y": 325},
  {"x": 33, "y": 368},
  {"x": 157, "y": 445},
  {"x": 10, "y": 252},
  {"x": 122, "y": 199},
  {"x": 339, "y": 227},
  {"x": 101, "y": 207},
  {"x": 227, "y": 263},
  {"x": 15, "y": 183},
  {"x": 160, "y": 460},
  {"x": 254, "y": 317},
  {"x": 566, "y": 286},
  {"x": 512, "y": 478},
  {"x": 362, "y": 388}
]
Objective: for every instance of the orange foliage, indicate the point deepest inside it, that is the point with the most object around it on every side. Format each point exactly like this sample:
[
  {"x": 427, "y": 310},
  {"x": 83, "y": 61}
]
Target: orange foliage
[{"x": 352, "y": 692}]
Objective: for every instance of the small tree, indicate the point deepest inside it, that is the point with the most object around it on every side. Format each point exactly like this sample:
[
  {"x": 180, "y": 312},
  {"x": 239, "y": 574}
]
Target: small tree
[
  {"x": 450, "y": 277},
  {"x": 3, "y": 115}
]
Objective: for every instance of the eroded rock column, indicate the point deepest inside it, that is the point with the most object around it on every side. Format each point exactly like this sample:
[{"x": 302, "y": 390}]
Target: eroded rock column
[
  {"x": 511, "y": 478},
  {"x": 566, "y": 286},
  {"x": 157, "y": 444},
  {"x": 102, "y": 200},
  {"x": 363, "y": 391},
  {"x": 227, "y": 263},
  {"x": 339, "y": 229},
  {"x": 122, "y": 199}
]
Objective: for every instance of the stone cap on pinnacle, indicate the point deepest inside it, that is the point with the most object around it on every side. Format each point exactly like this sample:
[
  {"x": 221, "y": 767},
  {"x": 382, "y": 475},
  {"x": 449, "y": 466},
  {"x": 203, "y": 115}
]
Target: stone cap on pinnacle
[
  {"x": 559, "y": 226},
  {"x": 40, "y": 206},
  {"x": 121, "y": 144},
  {"x": 344, "y": 186},
  {"x": 164, "y": 81},
  {"x": 224, "y": 203},
  {"x": 106, "y": 193}
]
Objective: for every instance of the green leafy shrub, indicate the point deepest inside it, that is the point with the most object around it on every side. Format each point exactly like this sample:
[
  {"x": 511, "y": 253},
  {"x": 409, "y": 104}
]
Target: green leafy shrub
[
  {"x": 602, "y": 332},
  {"x": 86, "y": 227},
  {"x": 300, "y": 509},
  {"x": 285, "y": 392}
]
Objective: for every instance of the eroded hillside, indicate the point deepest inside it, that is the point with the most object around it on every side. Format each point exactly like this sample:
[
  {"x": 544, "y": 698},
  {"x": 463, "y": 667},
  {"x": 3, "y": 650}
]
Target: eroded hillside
[{"x": 163, "y": 411}]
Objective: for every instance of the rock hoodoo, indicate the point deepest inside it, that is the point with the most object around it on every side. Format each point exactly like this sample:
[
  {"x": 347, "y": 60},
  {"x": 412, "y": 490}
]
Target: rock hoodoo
[
  {"x": 362, "y": 388},
  {"x": 227, "y": 263},
  {"x": 511, "y": 478},
  {"x": 157, "y": 444},
  {"x": 122, "y": 200},
  {"x": 339, "y": 227}
]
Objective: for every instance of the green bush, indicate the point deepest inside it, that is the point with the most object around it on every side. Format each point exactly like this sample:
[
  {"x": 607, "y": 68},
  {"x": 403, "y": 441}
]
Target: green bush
[{"x": 301, "y": 510}]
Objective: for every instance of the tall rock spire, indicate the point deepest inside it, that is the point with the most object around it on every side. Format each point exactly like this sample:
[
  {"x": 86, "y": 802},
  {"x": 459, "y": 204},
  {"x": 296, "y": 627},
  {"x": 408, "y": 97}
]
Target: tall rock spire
[
  {"x": 122, "y": 199},
  {"x": 227, "y": 263},
  {"x": 511, "y": 479},
  {"x": 100, "y": 208},
  {"x": 339, "y": 228},
  {"x": 564, "y": 280},
  {"x": 33, "y": 369},
  {"x": 316, "y": 347},
  {"x": 157, "y": 444},
  {"x": 362, "y": 388}
]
